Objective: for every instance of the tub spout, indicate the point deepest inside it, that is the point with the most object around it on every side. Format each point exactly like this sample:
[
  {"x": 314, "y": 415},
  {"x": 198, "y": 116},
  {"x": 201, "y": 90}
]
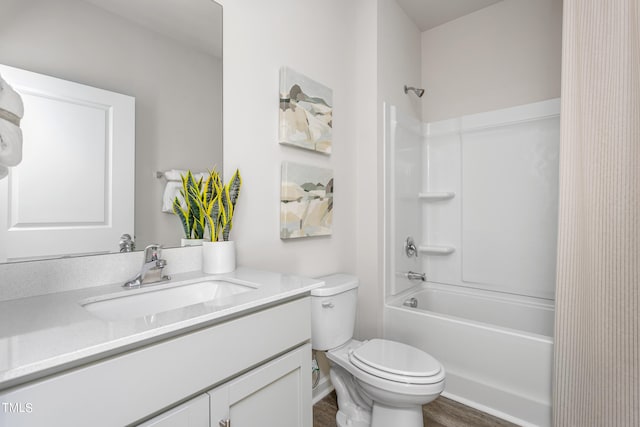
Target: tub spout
[
  {"x": 412, "y": 275},
  {"x": 411, "y": 302}
]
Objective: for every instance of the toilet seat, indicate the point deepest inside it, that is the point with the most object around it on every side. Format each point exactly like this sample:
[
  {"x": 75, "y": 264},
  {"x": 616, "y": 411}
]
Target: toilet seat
[
  {"x": 406, "y": 386},
  {"x": 396, "y": 362}
]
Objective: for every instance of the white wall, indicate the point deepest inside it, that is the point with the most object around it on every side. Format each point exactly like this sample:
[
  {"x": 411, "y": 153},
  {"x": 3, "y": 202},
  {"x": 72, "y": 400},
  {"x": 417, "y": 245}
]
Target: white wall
[
  {"x": 178, "y": 94},
  {"x": 316, "y": 39},
  {"x": 504, "y": 55},
  {"x": 369, "y": 230},
  {"x": 399, "y": 58}
]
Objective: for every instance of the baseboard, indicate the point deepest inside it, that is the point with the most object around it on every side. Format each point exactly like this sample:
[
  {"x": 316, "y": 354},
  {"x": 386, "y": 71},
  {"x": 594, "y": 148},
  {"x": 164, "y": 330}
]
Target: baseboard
[{"x": 323, "y": 388}]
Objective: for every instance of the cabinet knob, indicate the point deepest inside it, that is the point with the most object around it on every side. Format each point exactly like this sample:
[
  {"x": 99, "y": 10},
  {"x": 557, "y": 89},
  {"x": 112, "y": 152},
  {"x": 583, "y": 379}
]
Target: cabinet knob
[{"x": 225, "y": 423}]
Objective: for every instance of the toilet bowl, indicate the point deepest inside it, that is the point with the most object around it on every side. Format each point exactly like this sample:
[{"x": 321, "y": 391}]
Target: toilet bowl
[{"x": 378, "y": 382}]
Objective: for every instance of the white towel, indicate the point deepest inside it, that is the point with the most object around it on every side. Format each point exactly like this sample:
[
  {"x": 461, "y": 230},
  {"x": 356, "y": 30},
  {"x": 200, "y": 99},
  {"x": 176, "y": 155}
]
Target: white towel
[
  {"x": 10, "y": 144},
  {"x": 174, "y": 174},
  {"x": 173, "y": 187},
  {"x": 10, "y": 100},
  {"x": 171, "y": 190},
  {"x": 10, "y": 132}
]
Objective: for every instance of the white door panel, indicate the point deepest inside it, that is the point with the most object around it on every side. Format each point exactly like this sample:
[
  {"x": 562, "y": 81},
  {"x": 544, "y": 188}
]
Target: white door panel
[{"x": 83, "y": 140}]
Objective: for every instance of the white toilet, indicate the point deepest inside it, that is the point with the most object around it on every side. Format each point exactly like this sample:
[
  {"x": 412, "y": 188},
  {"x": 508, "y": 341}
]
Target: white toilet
[{"x": 379, "y": 383}]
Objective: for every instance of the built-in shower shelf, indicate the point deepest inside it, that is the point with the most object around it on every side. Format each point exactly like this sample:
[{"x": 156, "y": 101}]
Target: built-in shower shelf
[
  {"x": 433, "y": 196},
  {"x": 436, "y": 250}
]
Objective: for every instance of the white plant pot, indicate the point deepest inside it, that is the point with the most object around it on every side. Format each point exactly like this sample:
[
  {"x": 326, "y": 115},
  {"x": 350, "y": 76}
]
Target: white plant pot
[
  {"x": 191, "y": 242},
  {"x": 218, "y": 257}
]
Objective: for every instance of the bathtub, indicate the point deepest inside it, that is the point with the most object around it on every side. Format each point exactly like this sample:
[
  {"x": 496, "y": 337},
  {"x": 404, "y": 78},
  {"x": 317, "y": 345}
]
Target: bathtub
[{"x": 497, "y": 349}]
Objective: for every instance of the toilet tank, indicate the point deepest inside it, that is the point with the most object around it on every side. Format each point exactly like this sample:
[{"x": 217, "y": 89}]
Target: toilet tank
[{"x": 333, "y": 311}]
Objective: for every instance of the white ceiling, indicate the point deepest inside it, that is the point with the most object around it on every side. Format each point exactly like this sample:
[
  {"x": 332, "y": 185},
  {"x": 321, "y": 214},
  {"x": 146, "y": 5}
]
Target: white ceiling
[
  {"x": 197, "y": 23},
  {"x": 431, "y": 13}
]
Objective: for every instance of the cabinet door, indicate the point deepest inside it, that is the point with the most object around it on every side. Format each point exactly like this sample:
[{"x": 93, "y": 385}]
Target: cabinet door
[
  {"x": 275, "y": 394},
  {"x": 194, "y": 413}
]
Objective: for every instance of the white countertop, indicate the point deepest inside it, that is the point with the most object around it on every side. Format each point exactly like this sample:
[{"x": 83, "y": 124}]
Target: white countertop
[{"x": 44, "y": 334}]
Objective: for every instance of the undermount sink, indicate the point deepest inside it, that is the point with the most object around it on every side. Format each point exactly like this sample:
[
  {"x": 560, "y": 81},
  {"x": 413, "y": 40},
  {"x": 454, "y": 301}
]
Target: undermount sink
[{"x": 146, "y": 301}]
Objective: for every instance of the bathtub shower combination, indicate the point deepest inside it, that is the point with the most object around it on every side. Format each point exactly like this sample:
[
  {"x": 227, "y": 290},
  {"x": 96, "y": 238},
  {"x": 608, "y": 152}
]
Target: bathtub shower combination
[{"x": 472, "y": 203}]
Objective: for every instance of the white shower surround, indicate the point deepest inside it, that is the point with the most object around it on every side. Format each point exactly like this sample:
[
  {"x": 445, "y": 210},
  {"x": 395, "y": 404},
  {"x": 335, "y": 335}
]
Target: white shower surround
[{"x": 479, "y": 195}]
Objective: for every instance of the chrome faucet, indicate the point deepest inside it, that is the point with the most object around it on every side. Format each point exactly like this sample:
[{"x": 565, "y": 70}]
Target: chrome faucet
[{"x": 151, "y": 271}]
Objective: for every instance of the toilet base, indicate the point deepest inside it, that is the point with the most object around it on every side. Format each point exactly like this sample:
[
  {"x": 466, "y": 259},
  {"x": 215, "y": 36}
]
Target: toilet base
[
  {"x": 384, "y": 416},
  {"x": 343, "y": 420},
  {"x": 353, "y": 409}
]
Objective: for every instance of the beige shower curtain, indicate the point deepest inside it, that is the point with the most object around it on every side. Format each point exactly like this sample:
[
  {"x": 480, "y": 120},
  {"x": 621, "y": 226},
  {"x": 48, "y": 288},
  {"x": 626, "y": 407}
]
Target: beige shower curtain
[{"x": 597, "y": 335}]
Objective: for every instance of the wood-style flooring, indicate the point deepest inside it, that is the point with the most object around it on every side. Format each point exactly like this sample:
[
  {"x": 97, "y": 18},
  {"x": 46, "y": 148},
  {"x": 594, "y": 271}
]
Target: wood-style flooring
[{"x": 442, "y": 412}]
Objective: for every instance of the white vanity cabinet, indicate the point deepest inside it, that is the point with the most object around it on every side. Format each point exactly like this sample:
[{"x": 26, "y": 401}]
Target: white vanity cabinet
[
  {"x": 276, "y": 394},
  {"x": 254, "y": 369}
]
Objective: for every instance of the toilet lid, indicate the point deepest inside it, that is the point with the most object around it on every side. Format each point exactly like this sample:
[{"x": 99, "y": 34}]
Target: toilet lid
[{"x": 395, "y": 361}]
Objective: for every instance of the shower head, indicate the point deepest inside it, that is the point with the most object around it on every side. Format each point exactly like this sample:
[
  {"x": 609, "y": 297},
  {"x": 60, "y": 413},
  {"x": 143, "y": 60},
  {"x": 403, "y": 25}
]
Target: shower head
[{"x": 419, "y": 92}]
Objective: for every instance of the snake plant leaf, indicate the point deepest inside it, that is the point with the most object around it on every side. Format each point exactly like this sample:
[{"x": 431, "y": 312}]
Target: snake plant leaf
[
  {"x": 200, "y": 208},
  {"x": 209, "y": 191},
  {"x": 227, "y": 210},
  {"x": 231, "y": 193},
  {"x": 207, "y": 219},
  {"x": 212, "y": 228},
  {"x": 192, "y": 220},
  {"x": 222, "y": 210},
  {"x": 217, "y": 210},
  {"x": 197, "y": 211},
  {"x": 235, "y": 183},
  {"x": 183, "y": 215},
  {"x": 211, "y": 208},
  {"x": 188, "y": 182},
  {"x": 226, "y": 230},
  {"x": 186, "y": 210}
]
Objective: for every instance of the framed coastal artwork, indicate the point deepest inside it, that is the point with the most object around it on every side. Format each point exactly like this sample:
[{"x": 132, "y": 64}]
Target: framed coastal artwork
[
  {"x": 306, "y": 201},
  {"x": 306, "y": 112}
]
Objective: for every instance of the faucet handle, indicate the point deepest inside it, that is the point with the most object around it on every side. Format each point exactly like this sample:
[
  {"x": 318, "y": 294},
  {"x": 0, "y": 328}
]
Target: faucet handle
[
  {"x": 152, "y": 252},
  {"x": 410, "y": 248},
  {"x": 126, "y": 243}
]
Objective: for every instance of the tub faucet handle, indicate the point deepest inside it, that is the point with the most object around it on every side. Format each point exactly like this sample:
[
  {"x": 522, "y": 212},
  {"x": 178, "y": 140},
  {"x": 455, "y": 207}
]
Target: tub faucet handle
[{"x": 410, "y": 248}]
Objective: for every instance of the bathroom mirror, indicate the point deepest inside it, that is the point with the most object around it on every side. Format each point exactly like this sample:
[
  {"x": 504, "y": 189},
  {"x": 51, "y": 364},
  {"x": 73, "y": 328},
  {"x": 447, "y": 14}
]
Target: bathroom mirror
[{"x": 166, "y": 54}]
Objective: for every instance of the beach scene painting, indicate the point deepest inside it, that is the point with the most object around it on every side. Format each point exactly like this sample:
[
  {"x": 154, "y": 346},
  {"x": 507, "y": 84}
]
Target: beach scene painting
[
  {"x": 306, "y": 112},
  {"x": 306, "y": 201}
]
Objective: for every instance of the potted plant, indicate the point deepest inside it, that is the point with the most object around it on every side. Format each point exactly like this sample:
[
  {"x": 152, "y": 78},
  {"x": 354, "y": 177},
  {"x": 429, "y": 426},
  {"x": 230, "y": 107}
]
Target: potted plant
[
  {"x": 217, "y": 202},
  {"x": 189, "y": 210}
]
